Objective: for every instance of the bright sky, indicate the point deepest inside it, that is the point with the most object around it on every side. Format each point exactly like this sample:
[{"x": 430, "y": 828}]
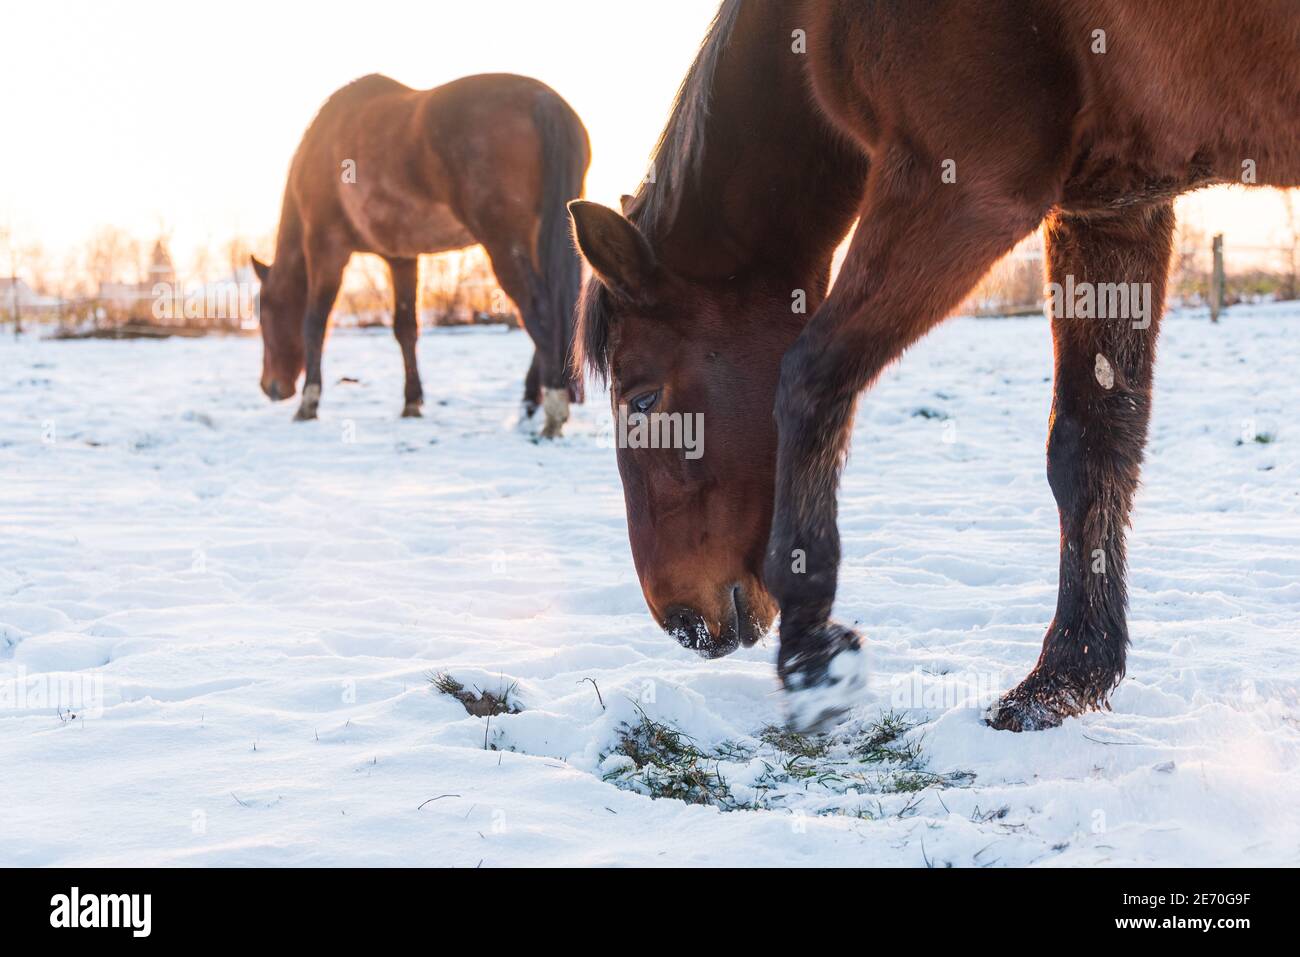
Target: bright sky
[{"x": 148, "y": 114}]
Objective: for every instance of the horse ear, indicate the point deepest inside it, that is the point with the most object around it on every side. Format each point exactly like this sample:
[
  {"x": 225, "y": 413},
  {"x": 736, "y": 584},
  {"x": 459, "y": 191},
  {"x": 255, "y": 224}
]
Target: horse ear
[
  {"x": 619, "y": 255},
  {"x": 261, "y": 268},
  {"x": 625, "y": 203}
]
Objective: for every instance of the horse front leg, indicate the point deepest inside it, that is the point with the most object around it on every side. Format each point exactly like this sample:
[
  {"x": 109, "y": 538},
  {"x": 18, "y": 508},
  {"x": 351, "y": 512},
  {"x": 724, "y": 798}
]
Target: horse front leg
[
  {"x": 406, "y": 328},
  {"x": 1100, "y": 411},
  {"x": 919, "y": 248},
  {"x": 325, "y": 264}
]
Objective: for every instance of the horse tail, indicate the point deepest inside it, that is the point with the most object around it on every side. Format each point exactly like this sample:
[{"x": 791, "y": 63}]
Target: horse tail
[{"x": 566, "y": 154}]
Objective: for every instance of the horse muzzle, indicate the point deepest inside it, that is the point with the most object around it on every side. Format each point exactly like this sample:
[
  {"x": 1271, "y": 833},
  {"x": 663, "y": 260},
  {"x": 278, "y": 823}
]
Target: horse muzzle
[
  {"x": 740, "y": 628},
  {"x": 275, "y": 391}
]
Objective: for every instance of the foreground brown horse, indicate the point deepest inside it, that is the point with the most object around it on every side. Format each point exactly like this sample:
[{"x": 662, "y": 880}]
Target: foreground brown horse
[
  {"x": 952, "y": 129},
  {"x": 397, "y": 172}
]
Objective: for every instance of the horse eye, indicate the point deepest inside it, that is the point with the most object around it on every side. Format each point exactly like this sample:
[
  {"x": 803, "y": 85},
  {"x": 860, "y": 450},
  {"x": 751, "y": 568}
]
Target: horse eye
[{"x": 645, "y": 402}]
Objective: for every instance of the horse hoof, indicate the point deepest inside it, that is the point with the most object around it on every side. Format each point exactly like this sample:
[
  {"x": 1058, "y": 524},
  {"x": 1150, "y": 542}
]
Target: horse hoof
[
  {"x": 1032, "y": 706},
  {"x": 310, "y": 399},
  {"x": 412, "y": 411},
  {"x": 823, "y": 679}
]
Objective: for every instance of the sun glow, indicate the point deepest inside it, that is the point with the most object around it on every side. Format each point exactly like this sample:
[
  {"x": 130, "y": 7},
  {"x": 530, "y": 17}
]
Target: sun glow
[{"x": 179, "y": 120}]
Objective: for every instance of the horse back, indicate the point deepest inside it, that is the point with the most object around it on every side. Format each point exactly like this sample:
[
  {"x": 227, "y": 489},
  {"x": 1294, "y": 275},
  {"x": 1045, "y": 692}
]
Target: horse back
[
  {"x": 408, "y": 171},
  {"x": 1089, "y": 96}
]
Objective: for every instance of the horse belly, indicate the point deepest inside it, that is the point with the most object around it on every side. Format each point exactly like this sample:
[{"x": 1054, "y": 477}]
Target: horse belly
[{"x": 392, "y": 225}]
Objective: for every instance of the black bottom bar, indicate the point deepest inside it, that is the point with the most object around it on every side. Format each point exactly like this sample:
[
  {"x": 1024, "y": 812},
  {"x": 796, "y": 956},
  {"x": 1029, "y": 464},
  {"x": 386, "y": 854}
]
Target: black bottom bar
[{"x": 212, "y": 907}]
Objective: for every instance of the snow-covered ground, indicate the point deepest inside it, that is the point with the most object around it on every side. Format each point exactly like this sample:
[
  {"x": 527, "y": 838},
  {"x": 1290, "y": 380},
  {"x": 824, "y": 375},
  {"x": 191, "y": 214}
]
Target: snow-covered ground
[{"x": 251, "y": 610}]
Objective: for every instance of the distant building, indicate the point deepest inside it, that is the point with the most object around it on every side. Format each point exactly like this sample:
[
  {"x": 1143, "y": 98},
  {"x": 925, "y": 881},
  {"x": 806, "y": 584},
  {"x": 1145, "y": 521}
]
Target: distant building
[
  {"x": 18, "y": 298},
  {"x": 160, "y": 266},
  {"x": 134, "y": 300}
]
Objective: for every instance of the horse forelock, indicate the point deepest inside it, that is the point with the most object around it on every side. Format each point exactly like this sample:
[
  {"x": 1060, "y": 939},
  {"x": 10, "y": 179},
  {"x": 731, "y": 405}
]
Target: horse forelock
[{"x": 591, "y": 338}]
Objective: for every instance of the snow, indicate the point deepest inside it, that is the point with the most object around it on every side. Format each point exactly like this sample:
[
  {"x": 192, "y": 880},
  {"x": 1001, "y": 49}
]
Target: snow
[{"x": 252, "y": 609}]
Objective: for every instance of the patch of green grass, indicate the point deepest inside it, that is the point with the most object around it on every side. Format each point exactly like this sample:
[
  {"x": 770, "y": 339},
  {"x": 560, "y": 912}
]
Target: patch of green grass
[
  {"x": 1261, "y": 438},
  {"x": 479, "y": 703},
  {"x": 734, "y": 751},
  {"x": 878, "y": 743},
  {"x": 668, "y": 764},
  {"x": 811, "y": 746},
  {"x": 880, "y": 758},
  {"x": 925, "y": 412},
  {"x": 908, "y": 782}
]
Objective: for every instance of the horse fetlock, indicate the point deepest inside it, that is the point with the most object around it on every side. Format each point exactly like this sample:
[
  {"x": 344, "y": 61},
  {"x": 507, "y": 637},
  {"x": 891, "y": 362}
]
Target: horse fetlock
[
  {"x": 799, "y": 577},
  {"x": 1016, "y": 711},
  {"x": 310, "y": 402},
  {"x": 1042, "y": 701}
]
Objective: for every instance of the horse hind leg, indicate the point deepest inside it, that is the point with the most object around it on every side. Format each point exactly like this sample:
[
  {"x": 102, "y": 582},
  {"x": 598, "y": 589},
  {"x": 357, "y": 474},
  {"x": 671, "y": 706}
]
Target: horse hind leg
[
  {"x": 1100, "y": 412},
  {"x": 406, "y": 329},
  {"x": 514, "y": 274},
  {"x": 555, "y": 409},
  {"x": 533, "y": 387}
]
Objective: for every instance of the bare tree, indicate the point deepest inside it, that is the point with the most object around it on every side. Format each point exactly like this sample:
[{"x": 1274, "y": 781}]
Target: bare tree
[
  {"x": 237, "y": 251},
  {"x": 1187, "y": 276},
  {"x": 38, "y": 267},
  {"x": 203, "y": 263},
  {"x": 110, "y": 254},
  {"x": 1291, "y": 252}
]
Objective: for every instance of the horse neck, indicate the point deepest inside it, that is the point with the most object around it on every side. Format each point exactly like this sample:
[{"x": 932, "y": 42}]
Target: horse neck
[
  {"x": 289, "y": 267},
  {"x": 764, "y": 186}
]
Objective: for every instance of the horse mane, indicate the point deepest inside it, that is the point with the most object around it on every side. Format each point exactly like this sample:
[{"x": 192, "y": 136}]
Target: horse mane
[
  {"x": 679, "y": 152},
  {"x": 674, "y": 164}
]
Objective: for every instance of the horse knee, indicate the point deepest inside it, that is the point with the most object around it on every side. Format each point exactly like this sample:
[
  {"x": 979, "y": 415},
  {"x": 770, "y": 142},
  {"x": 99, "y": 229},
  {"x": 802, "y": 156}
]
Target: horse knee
[{"x": 795, "y": 397}]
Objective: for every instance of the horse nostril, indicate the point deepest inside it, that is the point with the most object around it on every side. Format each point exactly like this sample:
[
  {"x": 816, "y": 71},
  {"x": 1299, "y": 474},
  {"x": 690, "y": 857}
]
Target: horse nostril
[
  {"x": 272, "y": 391},
  {"x": 687, "y": 626}
]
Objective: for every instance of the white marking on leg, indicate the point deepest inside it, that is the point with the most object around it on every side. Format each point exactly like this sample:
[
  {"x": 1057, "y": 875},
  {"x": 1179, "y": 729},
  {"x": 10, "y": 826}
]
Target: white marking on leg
[
  {"x": 822, "y": 706},
  {"x": 1104, "y": 372},
  {"x": 555, "y": 403}
]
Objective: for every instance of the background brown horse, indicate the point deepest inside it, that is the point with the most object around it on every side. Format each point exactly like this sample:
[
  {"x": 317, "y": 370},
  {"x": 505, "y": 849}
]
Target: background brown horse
[
  {"x": 952, "y": 129},
  {"x": 385, "y": 169}
]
